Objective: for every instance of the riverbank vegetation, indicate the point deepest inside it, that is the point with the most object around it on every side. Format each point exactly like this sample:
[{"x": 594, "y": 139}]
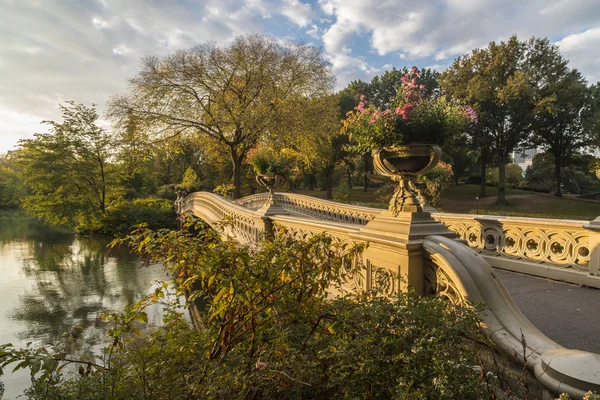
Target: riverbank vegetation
[{"x": 265, "y": 328}]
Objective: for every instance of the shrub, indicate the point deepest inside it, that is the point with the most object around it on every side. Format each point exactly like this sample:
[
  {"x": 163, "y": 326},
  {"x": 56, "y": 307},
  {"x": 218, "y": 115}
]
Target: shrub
[
  {"x": 122, "y": 215},
  {"x": 167, "y": 192},
  {"x": 437, "y": 180},
  {"x": 266, "y": 329},
  {"x": 190, "y": 182}
]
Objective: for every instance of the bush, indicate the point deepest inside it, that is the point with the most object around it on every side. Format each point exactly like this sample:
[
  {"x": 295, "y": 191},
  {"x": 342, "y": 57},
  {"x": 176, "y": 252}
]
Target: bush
[
  {"x": 266, "y": 329},
  {"x": 513, "y": 172},
  {"x": 190, "y": 182},
  {"x": 437, "y": 180},
  {"x": 167, "y": 192},
  {"x": 122, "y": 215}
]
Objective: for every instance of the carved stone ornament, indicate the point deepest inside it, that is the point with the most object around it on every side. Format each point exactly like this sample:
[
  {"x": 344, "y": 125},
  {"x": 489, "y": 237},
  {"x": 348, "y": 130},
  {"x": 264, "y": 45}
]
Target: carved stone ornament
[
  {"x": 402, "y": 164},
  {"x": 270, "y": 182}
]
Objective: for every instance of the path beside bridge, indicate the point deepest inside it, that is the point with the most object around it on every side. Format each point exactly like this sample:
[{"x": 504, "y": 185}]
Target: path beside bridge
[{"x": 566, "y": 313}]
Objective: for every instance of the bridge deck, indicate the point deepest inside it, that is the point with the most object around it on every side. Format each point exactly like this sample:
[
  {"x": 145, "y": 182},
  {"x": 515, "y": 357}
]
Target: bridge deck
[{"x": 566, "y": 313}]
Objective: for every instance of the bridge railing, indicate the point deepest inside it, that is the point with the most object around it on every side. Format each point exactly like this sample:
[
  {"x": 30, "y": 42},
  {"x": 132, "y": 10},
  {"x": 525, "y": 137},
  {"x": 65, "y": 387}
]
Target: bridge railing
[
  {"x": 240, "y": 221},
  {"x": 566, "y": 250},
  {"x": 315, "y": 208}
]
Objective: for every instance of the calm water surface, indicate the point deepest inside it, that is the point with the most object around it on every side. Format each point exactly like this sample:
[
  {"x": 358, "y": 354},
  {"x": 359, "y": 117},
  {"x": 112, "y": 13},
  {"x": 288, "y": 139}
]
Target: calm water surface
[{"x": 52, "y": 281}]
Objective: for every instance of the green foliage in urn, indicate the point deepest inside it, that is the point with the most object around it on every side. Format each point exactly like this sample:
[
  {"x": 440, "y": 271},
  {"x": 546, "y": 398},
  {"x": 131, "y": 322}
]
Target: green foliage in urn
[
  {"x": 438, "y": 179},
  {"x": 412, "y": 117},
  {"x": 267, "y": 161}
]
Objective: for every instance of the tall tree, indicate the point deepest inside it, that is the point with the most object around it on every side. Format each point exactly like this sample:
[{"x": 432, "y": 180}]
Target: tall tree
[
  {"x": 233, "y": 95},
  {"x": 560, "y": 98},
  {"x": 68, "y": 171},
  {"x": 494, "y": 82},
  {"x": 592, "y": 114}
]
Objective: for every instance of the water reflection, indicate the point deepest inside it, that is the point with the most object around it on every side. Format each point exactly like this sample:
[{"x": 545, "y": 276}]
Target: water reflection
[{"x": 53, "y": 281}]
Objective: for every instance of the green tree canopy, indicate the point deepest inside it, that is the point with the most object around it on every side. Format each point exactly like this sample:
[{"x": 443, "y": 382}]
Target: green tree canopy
[
  {"x": 234, "y": 95},
  {"x": 494, "y": 81},
  {"x": 67, "y": 171},
  {"x": 561, "y": 101}
]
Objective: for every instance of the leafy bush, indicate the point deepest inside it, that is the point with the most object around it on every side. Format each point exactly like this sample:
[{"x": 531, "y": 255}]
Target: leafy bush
[
  {"x": 122, "y": 215},
  {"x": 267, "y": 161},
  {"x": 412, "y": 117},
  {"x": 190, "y": 182},
  {"x": 167, "y": 192},
  {"x": 437, "y": 180},
  {"x": 266, "y": 329},
  {"x": 514, "y": 175}
]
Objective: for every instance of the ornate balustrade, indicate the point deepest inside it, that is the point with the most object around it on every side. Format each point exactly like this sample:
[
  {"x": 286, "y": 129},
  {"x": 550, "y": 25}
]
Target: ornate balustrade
[
  {"x": 315, "y": 208},
  {"x": 562, "y": 243},
  {"x": 550, "y": 248},
  {"x": 239, "y": 221}
]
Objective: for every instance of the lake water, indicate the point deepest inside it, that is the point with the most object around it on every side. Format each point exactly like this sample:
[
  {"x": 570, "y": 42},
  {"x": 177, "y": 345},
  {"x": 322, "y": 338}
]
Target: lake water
[{"x": 52, "y": 281}]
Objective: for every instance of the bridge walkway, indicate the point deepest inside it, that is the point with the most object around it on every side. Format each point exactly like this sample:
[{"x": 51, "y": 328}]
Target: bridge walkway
[{"x": 568, "y": 314}]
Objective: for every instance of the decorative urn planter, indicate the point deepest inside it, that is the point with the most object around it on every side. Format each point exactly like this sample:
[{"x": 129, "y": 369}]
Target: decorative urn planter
[
  {"x": 270, "y": 182},
  {"x": 402, "y": 164}
]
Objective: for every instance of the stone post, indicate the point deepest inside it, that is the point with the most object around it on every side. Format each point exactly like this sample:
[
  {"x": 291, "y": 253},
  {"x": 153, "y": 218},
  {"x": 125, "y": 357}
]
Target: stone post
[
  {"x": 594, "y": 246},
  {"x": 396, "y": 246}
]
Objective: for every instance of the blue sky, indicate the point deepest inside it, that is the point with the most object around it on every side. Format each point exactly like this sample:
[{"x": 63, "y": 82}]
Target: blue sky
[{"x": 84, "y": 50}]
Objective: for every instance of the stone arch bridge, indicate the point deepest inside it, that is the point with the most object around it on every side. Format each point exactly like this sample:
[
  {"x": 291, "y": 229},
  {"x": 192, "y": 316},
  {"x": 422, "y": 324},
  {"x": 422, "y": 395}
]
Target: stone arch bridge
[{"x": 440, "y": 254}]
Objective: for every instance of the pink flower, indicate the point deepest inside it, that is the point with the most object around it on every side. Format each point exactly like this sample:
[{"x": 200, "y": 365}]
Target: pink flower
[
  {"x": 421, "y": 87},
  {"x": 375, "y": 117},
  {"x": 362, "y": 97},
  {"x": 361, "y": 107},
  {"x": 404, "y": 110},
  {"x": 470, "y": 113},
  {"x": 414, "y": 71}
]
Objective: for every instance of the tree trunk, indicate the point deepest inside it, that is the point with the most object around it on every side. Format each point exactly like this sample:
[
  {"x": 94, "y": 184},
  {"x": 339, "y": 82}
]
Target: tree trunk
[
  {"x": 349, "y": 174},
  {"x": 557, "y": 181},
  {"x": 236, "y": 159},
  {"x": 366, "y": 178},
  {"x": 329, "y": 182},
  {"x": 455, "y": 179},
  {"x": 501, "y": 200},
  {"x": 483, "y": 159},
  {"x": 311, "y": 181}
]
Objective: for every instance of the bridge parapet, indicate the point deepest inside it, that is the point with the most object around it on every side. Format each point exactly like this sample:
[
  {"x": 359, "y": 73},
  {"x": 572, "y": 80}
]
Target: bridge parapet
[
  {"x": 567, "y": 250},
  {"x": 244, "y": 224},
  {"x": 315, "y": 208}
]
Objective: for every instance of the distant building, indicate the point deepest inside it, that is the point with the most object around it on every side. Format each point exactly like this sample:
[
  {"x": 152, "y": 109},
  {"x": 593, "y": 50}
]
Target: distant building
[{"x": 524, "y": 158}]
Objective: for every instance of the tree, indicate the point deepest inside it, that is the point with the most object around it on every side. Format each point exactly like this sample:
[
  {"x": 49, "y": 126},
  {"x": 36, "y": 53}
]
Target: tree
[
  {"x": 67, "y": 170},
  {"x": 493, "y": 81},
  {"x": 592, "y": 114},
  {"x": 12, "y": 187},
  {"x": 236, "y": 95},
  {"x": 560, "y": 98},
  {"x": 320, "y": 146}
]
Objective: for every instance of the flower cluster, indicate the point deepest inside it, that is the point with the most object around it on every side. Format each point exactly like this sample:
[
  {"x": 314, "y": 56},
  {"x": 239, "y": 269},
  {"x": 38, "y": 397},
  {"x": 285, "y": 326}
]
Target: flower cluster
[
  {"x": 267, "y": 161},
  {"x": 413, "y": 116}
]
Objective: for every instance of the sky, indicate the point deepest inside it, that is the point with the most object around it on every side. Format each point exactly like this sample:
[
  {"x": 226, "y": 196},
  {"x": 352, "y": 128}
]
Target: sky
[{"x": 52, "y": 51}]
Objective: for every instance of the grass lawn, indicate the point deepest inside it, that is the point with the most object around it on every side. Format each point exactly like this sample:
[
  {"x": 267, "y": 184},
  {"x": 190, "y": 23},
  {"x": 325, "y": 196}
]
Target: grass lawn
[{"x": 461, "y": 199}]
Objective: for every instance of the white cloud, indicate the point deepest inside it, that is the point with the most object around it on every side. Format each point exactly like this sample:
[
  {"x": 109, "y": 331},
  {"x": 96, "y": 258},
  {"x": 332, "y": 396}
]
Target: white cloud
[
  {"x": 299, "y": 13},
  {"x": 98, "y": 22},
  {"x": 120, "y": 49},
  {"x": 445, "y": 29},
  {"x": 314, "y": 32},
  {"x": 583, "y": 50}
]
